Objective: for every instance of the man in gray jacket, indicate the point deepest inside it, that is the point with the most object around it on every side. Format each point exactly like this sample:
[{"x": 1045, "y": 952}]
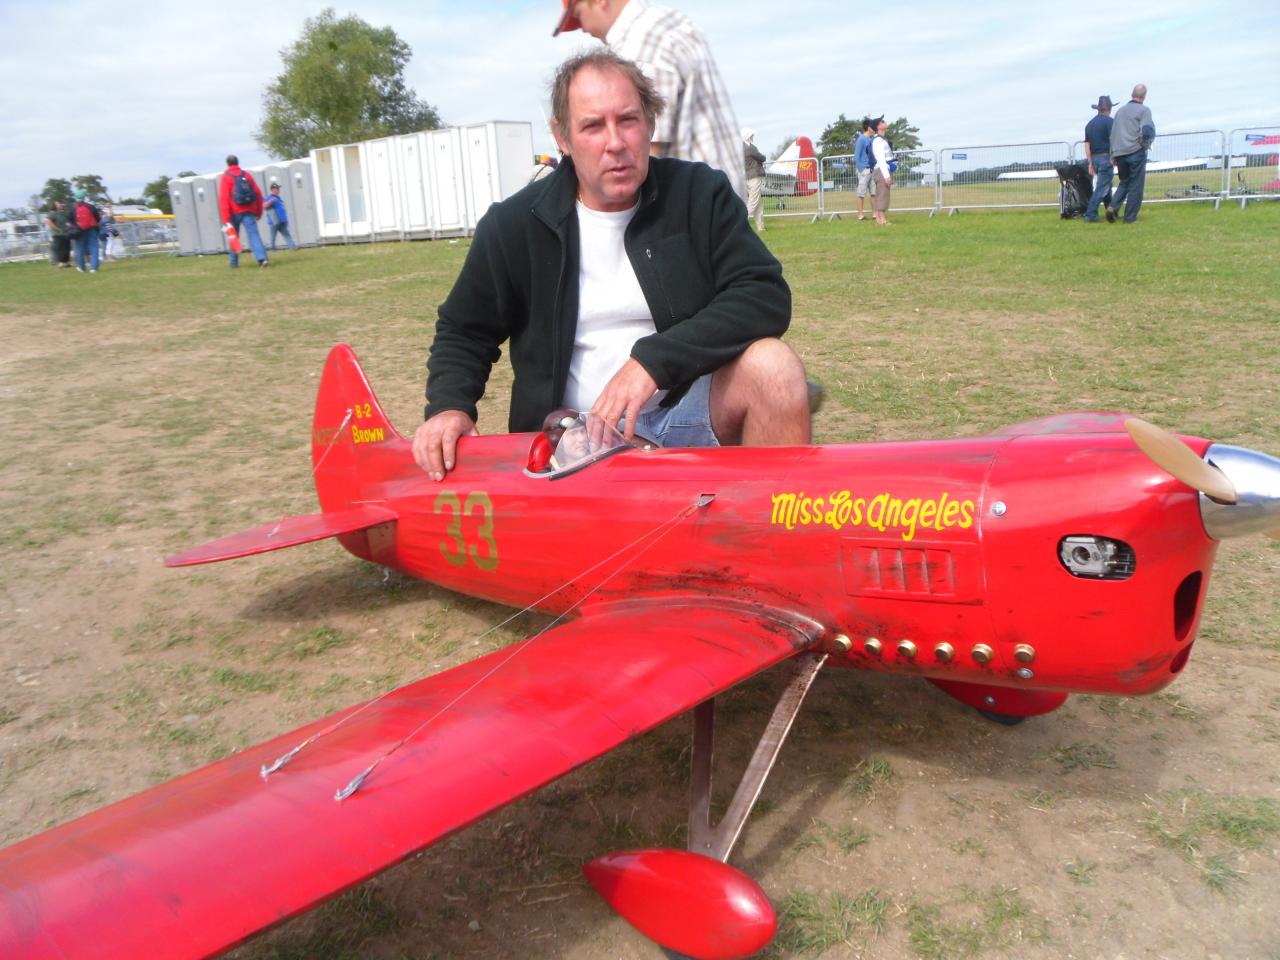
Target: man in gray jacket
[{"x": 1131, "y": 137}]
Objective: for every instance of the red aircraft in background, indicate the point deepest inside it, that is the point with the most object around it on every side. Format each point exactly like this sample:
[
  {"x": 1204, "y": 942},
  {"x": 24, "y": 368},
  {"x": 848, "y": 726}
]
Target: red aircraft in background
[
  {"x": 794, "y": 173},
  {"x": 1068, "y": 554}
]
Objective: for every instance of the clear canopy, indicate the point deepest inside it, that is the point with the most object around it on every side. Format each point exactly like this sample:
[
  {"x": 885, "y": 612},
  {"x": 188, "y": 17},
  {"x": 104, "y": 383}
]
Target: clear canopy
[{"x": 576, "y": 441}]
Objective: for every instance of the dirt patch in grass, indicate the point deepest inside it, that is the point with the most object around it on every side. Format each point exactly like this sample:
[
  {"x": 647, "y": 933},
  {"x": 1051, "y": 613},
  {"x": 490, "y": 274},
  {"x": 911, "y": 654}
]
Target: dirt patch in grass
[{"x": 898, "y": 824}]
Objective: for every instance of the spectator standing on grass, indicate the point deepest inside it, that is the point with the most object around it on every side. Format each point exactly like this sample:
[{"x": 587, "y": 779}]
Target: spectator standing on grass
[
  {"x": 698, "y": 123},
  {"x": 106, "y": 228},
  {"x": 1097, "y": 153},
  {"x": 864, "y": 163},
  {"x": 83, "y": 225},
  {"x": 240, "y": 203},
  {"x": 59, "y": 241},
  {"x": 884, "y": 165},
  {"x": 278, "y": 217},
  {"x": 753, "y": 162},
  {"x": 1131, "y": 138}
]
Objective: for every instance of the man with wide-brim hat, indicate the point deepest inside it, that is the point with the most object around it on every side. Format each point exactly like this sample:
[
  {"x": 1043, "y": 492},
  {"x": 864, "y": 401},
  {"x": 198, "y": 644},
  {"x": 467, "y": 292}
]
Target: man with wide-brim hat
[{"x": 1097, "y": 153}]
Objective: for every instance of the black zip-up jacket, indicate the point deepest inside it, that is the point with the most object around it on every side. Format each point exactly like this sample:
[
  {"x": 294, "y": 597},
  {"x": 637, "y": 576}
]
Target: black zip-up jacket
[{"x": 710, "y": 282}]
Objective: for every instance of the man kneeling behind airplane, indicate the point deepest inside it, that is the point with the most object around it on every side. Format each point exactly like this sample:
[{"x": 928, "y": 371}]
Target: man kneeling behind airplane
[{"x": 630, "y": 287}]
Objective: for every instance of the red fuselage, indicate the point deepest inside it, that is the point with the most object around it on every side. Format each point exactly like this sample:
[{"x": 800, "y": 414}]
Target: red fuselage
[{"x": 950, "y": 545}]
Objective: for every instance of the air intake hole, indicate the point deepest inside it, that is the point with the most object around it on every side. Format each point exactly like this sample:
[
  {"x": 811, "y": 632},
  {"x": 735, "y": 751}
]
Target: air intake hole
[{"x": 1186, "y": 600}]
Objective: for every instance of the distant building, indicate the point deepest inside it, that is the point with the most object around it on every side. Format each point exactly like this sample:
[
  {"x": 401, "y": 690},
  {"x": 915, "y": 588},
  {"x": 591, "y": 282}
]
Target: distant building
[{"x": 20, "y": 229}]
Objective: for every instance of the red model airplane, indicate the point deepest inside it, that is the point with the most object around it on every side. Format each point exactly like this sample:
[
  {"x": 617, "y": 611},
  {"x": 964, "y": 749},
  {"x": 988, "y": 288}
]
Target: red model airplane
[{"x": 1050, "y": 557}]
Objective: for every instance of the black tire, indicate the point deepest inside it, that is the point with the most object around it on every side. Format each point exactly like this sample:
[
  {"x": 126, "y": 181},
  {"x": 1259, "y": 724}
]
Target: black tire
[{"x": 1004, "y": 719}]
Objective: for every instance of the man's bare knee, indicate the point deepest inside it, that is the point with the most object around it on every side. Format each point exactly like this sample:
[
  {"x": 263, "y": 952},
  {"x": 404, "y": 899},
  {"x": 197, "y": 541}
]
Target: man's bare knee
[
  {"x": 761, "y": 398},
  {"x": 774, "y": 372}
]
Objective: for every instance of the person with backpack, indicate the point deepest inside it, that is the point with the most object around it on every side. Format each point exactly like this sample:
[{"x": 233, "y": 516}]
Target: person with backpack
[
  {"x": 240, "y": 203},
  {"x": 883, "y": 165},
  {"x": 82, "y": 225}
]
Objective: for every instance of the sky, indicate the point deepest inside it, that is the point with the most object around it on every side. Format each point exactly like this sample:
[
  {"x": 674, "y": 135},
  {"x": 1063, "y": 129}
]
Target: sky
[{"x": 134, "y": 91}]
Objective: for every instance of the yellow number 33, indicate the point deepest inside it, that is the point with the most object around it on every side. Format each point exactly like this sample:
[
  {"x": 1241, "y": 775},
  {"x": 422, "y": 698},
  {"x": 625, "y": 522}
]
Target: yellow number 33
[{"x": 455, "y": 549}]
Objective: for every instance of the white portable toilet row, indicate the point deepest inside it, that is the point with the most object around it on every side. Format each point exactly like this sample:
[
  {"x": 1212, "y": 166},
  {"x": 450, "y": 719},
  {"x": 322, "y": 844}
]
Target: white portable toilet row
[
  {"x": 434, "y": 183},
  {"x": 199, "y": 221}
]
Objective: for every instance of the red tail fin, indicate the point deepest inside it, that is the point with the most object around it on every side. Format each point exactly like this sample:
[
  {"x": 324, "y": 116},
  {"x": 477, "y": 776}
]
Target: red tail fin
[
  {"x": 349, "y": 423},
  {"x": 806, "y": 168}
]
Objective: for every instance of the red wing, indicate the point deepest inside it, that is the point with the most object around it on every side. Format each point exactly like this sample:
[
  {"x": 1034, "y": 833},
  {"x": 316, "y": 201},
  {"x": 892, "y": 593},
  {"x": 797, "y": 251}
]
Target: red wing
[
  {"x": 194, "y": 866},
  {"x": 288, "y": 532}
]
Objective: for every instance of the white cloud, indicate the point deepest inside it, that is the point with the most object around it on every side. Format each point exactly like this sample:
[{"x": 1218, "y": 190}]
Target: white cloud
[{"x": 162, "y": 86}]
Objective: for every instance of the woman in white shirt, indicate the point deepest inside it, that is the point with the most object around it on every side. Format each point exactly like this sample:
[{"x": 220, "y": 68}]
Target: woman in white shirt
[{"x": 882, "y": 154}]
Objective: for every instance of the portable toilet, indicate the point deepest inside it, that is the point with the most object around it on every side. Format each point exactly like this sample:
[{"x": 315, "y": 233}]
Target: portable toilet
[
  {"x": 447, "y": 181},
  {"x": 413, "y": 161},
  {"x": 328, "y": 193},
  {"x": 498, "y": 157},
  {"x": 298, "y": 195},
  {"x": 382, "y": 179},
  {"x": 353, "y": 193},
  {"x": 204, "y": 190},
  {"x": 304, "y": 222},
  {"x": 184, "y": 217}
]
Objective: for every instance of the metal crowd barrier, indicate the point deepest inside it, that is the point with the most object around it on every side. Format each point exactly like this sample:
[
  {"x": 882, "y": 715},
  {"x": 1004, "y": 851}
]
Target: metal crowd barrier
[
  {"x": 142, "y": 236},
  {"x": 791, "y": 188},
  {"x": 1181, "y": 167},
  {"x": 915, "y": 184},
  {"x": 14, "y": 249},
  {"x": 1007, "y": 175},
  {"x": 1252, "y": 169}
]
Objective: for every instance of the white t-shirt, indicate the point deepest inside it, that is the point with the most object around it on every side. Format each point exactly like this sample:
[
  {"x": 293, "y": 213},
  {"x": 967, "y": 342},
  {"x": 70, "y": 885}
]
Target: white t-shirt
[{"x": 612, "y": 311}]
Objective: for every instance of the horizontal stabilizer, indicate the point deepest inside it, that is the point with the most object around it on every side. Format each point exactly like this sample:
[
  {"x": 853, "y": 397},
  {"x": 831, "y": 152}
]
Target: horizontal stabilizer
[{"x": 288, "y": 532}]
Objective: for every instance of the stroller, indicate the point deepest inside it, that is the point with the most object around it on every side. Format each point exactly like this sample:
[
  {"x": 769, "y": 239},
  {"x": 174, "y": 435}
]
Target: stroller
[{"x": 1075, "y": 188}]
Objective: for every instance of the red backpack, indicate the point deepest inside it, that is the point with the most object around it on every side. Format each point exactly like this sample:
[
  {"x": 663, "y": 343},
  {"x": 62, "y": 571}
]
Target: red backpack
[{"x": 86, "y": 216}]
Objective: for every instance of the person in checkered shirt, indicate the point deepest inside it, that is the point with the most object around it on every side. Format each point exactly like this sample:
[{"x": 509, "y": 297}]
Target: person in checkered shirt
[{"x": 698, "y": 123}]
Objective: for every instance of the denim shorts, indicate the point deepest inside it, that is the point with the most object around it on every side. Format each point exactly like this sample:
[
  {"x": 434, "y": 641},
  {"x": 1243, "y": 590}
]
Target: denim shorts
[{"x": 686, "y": 424}]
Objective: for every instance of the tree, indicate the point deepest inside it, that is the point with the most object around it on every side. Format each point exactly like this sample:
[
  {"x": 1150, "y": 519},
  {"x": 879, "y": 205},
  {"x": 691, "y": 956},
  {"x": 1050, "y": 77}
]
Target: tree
[
  {"x": 54, "y": 189},
  {"x": 95, "y": 191},
  {"x": 156, "y": 193},
  {"x": 840, "y": 136},
  {"x": 14, "y": 213},
  {"x": 343, "y": 81}
]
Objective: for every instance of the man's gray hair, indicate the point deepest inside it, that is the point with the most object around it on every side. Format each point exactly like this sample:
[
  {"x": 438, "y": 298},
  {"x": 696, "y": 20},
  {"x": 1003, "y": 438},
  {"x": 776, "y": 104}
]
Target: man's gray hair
[
  {"x": 1139, "y": 92},
  {"x": 651, "y": 102}
]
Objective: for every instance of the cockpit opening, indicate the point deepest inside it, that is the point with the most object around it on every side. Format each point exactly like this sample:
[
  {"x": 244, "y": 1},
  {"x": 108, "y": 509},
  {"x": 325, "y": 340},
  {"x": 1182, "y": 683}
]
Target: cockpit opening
[{"x": 570, "y": 441}]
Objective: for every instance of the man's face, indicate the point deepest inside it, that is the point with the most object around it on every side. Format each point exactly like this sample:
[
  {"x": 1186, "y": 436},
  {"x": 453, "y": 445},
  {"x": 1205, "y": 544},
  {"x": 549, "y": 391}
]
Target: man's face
[
  {"x": 881, "y": 128},
  {"x": 595, "y": 17},
  {"x": 608, "y": 138}
]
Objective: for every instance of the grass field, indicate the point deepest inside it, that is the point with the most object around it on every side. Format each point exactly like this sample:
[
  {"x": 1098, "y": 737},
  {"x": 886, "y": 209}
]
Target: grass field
[{"x": 163, "y": 402}]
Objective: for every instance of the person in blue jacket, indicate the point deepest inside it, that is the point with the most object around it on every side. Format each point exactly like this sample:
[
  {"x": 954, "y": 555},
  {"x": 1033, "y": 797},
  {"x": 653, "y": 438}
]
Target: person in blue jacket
[
  {"x": 278, "y": 217},
  {"x": 864, "y": 163}
]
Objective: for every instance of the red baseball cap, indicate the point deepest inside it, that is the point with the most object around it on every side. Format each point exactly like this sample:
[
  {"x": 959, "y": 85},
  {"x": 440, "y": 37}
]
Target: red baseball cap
[{"x": 567, "y": 20}]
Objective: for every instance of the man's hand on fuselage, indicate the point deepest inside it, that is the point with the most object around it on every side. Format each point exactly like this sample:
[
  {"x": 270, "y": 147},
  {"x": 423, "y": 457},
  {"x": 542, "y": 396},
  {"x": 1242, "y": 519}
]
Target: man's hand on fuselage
[
  {"x": 624, "y": 395},
  {"x": 435, "y": 444}
]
